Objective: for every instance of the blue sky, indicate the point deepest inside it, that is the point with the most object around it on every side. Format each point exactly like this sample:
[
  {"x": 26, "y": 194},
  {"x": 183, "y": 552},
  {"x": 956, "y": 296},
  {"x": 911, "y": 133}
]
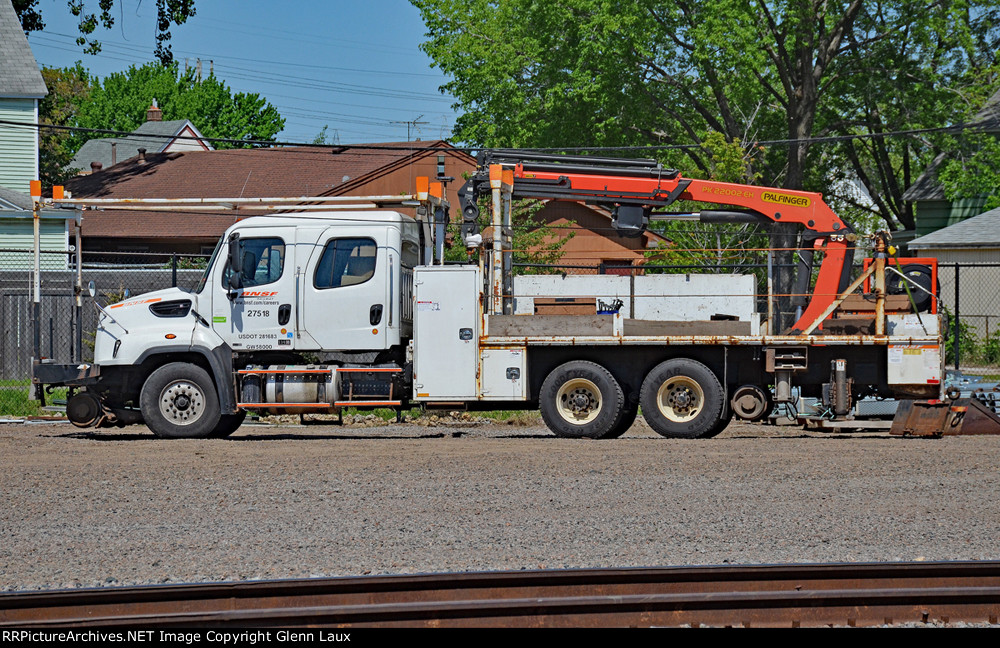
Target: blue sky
[{"x": 355, "y": 67}]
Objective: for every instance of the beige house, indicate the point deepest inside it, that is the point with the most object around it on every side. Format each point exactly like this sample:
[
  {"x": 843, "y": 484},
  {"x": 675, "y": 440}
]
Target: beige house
[{"x": 974, "y": 245}]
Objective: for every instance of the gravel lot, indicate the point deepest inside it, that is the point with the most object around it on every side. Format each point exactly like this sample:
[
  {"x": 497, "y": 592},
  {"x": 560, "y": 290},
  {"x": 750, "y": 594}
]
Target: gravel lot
[{"x": 118, "y": 507}]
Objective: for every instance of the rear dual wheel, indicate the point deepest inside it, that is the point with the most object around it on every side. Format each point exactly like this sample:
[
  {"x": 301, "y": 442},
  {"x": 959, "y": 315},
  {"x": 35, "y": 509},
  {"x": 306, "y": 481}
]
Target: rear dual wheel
[
  {"x": 683, "y": 399},
  {"x": 582, "y": 400},
  {"x": 630, "y": 411}
]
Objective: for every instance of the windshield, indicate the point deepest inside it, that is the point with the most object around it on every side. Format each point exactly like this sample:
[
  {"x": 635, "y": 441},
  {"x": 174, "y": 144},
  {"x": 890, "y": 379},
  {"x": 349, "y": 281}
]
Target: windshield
[{"x": 208, "y": 269}]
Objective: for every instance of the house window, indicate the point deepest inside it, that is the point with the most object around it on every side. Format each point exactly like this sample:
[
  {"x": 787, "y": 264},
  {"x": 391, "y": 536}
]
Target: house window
[{"x": 346, "y": 262}]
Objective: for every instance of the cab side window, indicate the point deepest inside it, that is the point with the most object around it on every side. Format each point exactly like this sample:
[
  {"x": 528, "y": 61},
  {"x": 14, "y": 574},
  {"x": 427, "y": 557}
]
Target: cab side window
[
  {"x": 346, "y": 262},
  {"x": 263, "y": 261}
]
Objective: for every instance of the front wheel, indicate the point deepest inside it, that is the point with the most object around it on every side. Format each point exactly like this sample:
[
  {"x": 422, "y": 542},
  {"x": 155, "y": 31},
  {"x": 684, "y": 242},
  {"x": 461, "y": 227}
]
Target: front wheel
[
  {"x": 682, "y": 399},
  {"x": 581, "y": 399},
  {"x": 179, "y": 401}
]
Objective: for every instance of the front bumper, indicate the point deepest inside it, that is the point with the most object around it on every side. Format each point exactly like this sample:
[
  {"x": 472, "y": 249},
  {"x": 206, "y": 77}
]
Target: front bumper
[{"x": 70, "y": 375}]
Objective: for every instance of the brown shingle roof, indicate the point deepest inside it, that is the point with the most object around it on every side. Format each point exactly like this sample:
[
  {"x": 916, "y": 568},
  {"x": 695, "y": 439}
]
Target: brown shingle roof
[{"x": 250, "y": 173}]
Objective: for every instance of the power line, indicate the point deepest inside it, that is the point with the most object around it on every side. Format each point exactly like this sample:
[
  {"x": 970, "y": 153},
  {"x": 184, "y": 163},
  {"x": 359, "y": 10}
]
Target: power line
[
  {"x": 261, "y": 143},
  {"x": 240, "y": 75},
  {"x": 646, "y": 147},
  {"x": 280, "y": 78}
]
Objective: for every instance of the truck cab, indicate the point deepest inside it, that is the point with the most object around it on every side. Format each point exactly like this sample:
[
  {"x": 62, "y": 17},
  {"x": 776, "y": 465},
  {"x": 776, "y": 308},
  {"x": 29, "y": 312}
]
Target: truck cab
[
  {"x": 314, "y": 283},
  {"x": 333, "y": 288}
]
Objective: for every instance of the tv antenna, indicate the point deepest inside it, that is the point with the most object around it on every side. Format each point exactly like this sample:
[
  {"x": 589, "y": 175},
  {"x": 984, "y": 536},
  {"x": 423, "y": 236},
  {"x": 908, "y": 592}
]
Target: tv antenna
[{"x": 413, "y": 123}]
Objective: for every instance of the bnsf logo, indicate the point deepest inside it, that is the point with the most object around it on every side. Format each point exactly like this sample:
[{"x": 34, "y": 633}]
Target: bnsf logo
[{"x": 257, "y": 293}]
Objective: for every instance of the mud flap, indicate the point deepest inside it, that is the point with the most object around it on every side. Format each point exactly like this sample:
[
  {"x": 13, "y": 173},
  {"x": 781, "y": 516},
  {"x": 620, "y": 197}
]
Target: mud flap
[{"x": 937, "y": 418}]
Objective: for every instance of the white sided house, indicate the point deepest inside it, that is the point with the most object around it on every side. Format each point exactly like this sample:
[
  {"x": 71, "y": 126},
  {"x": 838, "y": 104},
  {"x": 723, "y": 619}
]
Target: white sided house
[{"x": 21, "y": 86}]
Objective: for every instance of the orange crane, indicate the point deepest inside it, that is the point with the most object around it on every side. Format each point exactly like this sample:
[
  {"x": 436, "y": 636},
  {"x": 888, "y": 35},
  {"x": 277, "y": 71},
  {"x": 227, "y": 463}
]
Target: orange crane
[{"x": 632, "y": 189}]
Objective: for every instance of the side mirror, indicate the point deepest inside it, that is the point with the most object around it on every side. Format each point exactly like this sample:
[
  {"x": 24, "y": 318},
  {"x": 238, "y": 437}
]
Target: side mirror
[
  {"x": 235, "y": 265},
  {"x": 127, "y": 293},
  {"x": 92, "y": 288}
]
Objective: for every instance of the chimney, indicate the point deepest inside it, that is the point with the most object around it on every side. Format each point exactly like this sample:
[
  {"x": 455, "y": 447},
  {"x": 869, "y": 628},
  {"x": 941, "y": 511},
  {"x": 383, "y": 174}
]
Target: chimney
[
  {"x": 95, "y": 166},
  {"x": 153, "y": 113},
  {"x": 142, "y": 156},
  {"x": 114, "y": 153}
]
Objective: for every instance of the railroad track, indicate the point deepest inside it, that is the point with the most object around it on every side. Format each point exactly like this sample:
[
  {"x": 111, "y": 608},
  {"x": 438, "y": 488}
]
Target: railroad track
[{"x": 774, "y": 595}]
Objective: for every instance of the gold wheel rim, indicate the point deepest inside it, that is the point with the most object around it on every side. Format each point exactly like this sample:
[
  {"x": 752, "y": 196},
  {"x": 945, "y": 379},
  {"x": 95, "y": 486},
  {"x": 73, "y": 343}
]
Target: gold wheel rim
[
  {"x": 578, "y": 401},
  {"x": 680, "y": 399}
]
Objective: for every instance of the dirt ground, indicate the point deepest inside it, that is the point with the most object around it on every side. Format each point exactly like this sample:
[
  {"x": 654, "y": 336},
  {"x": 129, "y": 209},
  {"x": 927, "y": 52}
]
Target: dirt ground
[{"x": 118, "y": 506}]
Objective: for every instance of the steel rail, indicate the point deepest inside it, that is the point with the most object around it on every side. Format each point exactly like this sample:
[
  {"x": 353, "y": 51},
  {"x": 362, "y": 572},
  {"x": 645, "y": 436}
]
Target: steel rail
[{"x": 770, "y": 595}]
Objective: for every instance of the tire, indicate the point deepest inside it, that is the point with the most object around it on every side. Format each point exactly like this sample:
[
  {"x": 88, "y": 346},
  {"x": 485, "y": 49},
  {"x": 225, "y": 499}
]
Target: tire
[
  {"x": 228, "y": 423},
  {"x": 682, "y": 399},
  {"x": 919, "y": 274},
  {"x": 179, "y": 401},
  {"x": 630, "y": 411},
  {"x": 580, "y": 400},
  {"x": 717, "y": 429}
]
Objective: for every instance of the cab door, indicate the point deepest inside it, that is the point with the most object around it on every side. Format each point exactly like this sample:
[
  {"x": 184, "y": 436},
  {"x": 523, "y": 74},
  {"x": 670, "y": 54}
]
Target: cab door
[
  {"x": 260, "y": 314},
  {"x": 345, "y": 303}
]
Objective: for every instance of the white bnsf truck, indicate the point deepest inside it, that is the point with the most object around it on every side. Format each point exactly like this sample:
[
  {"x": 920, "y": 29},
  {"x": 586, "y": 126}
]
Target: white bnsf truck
[{"x": 320, "y": 310}]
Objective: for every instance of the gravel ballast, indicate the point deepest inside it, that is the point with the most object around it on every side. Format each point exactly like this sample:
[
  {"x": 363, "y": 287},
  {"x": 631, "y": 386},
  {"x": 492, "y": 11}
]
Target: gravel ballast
[{"x": 84, "y": 508}]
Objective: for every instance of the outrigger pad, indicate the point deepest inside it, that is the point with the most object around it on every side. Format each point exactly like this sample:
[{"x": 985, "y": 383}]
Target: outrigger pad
[{"x": 935, "y": 418}]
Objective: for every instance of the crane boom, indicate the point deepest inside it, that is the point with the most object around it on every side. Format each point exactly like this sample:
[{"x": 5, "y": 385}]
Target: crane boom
[{"x": 632, "y": 189}]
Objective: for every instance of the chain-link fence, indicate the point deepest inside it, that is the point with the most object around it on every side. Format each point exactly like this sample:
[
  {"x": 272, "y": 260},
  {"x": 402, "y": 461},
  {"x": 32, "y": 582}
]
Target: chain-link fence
[
  {"x": 970, "y": 296},
  {"x": 66, "y": 324}
]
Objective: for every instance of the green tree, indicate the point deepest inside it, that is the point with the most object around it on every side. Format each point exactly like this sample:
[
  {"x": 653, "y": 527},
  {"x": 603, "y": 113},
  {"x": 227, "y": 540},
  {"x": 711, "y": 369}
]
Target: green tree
[
  {"x": 593, "y": 73},
  {"x": 578, "y": 73},
  {"x": 120, "y": 100},
  {"x": 168, "y": 12},
  {"x": 69, "y": 89},
  {"x": 972, "y": 169},
  {"x": 716, "y": 248}
]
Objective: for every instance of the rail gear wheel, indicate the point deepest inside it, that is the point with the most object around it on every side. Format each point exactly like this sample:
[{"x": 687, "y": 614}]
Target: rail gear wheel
[
  {"x": 682, "y": 398},
  {"x": 752, "y": 403},
  {"x": 581, "y": 399},
  {"x": 84, "y": 410},
  {"x": 178, "y": 401}
]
